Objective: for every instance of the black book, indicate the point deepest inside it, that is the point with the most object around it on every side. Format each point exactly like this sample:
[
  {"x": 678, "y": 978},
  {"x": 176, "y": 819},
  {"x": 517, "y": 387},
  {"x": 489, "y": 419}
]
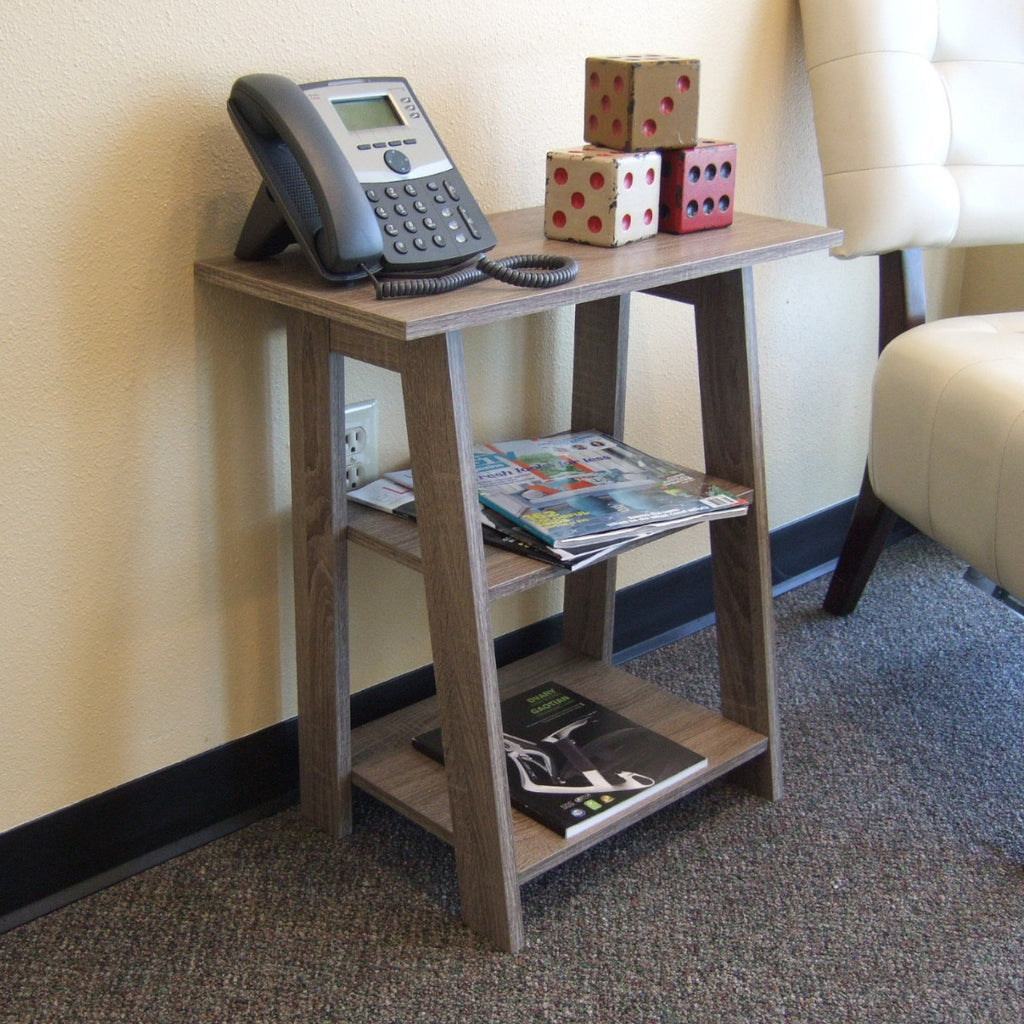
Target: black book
[{"x": 573, "y": 763}]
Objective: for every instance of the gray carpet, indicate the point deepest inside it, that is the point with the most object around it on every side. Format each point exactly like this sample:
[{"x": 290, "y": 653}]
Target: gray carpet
[{"x": 886, "y": 886}]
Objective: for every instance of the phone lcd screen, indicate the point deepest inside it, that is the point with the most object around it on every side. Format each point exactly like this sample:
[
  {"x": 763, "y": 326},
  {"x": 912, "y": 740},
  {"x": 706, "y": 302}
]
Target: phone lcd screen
[{"x": 367, "y": 112}]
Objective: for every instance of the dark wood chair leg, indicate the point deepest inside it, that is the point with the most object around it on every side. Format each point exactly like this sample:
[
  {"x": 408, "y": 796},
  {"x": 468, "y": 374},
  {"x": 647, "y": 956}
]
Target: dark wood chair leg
[
  {"x": 901, "y": 305},
  {"x": 872, "y": 523}
]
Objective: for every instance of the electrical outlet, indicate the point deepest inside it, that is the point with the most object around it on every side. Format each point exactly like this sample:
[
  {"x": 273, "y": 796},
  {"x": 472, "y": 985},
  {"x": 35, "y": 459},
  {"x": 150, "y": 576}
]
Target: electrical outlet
[{"x": 360, "y": 444}]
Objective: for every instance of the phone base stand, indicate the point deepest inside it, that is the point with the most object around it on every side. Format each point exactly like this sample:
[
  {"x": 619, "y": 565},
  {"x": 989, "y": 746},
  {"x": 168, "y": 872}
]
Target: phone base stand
[{"x": 265, "y": 232}]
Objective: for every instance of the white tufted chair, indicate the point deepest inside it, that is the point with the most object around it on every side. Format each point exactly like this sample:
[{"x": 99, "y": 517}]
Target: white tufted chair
[{"x": 919, "y": 111}]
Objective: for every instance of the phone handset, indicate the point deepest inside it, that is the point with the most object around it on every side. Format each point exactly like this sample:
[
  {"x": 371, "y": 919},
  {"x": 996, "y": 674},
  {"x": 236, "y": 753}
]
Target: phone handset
[
  {"x": 399, "y": 217},
  {"x": 310, "y": 195}
]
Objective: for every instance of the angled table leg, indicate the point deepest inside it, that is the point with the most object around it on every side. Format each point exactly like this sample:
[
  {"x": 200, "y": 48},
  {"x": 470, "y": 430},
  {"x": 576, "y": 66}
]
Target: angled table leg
[
  {"x": 598, "y": 403},
  {"x": 316, "y": 390},
  {"x": 741, "y": 561},
  {"x": 458, "y": 606}
]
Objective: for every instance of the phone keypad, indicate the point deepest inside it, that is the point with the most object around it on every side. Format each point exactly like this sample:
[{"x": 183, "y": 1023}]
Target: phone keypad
[{"x": 424, "y": 218}]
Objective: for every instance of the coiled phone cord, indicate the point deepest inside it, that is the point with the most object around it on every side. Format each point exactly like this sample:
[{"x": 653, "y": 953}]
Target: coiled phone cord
[{"x": 521, "y": 271}]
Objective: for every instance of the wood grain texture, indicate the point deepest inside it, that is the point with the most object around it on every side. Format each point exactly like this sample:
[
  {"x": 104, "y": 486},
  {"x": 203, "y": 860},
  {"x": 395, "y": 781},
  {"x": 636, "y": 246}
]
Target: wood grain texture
[
  {"x": 398, "y": 538},
  {"x": 466, "y": 803},
  {"x": 749, "y": 240},
  {"x": 387, "y": 766},
  {"x": 741, "y": 567},
  {"x": 600, "y": 347},
  {"x": 508, "y": 573},
  {"x": 458, "y": 609},
  {"x": 316, "y": 389}
]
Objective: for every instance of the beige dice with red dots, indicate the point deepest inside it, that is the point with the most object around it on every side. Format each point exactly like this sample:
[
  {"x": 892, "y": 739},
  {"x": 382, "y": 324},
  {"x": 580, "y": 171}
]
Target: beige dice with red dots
[
  {"x": 602, "y": 196},
  {"x": 643, "y": 102}
]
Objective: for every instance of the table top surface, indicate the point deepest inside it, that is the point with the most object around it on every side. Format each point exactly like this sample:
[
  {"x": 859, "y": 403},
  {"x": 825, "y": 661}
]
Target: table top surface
[{"x": 664, "y": 259}]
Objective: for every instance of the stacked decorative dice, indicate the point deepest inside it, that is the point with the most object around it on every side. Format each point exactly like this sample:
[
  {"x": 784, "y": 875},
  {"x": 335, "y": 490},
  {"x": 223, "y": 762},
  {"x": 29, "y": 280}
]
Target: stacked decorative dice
[
  {"x": 697, "y": 186},
  {"x": 602, "y": 196},
  {"x": 645, "y": 167},
  {"x": 636, "y": 103}
]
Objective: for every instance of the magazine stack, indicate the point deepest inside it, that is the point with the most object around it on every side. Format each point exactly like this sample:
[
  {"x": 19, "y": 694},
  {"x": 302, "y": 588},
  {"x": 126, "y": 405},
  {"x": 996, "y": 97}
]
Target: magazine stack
[{"x": 573, "y": 498}]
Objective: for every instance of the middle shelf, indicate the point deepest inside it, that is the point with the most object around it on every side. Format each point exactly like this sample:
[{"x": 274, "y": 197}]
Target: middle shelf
[{"x": 397, "y": 538}]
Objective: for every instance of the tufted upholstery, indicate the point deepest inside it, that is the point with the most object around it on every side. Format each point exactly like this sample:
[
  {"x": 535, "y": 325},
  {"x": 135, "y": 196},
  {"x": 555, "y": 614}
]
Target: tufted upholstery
[
  {"x": 918, "y": 107},
  {"x": 947, "y": 438},
  {"x": 919, "y": 112}
]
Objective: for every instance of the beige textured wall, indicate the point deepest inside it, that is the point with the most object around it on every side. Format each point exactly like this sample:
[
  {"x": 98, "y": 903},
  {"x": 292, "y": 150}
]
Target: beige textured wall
[
  {"x": 993, "y": 279},
  {"x": 145, "y": 574}
]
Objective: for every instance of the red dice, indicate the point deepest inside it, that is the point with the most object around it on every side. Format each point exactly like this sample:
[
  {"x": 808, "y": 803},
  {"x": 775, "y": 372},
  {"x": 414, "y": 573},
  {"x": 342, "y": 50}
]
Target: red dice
[{"x": 697, "y": 187}]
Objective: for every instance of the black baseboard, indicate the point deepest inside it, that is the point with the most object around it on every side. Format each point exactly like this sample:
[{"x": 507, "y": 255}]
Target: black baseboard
[{"x": 63, "y": 856}]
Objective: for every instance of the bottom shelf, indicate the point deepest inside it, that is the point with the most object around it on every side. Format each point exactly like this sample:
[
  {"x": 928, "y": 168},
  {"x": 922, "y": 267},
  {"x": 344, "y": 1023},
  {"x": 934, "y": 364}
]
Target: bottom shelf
[{"x": 385, "y": 764}]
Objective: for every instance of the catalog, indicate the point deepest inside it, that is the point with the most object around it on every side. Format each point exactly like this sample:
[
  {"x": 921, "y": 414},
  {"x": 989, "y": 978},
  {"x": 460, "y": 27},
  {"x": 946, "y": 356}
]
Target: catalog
[
  {"x": 569, "y": 488},
  {"x": 573, "y": 763}
]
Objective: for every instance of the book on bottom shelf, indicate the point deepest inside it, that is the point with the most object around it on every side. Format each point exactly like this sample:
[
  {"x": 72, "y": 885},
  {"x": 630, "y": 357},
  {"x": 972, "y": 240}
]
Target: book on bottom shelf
[{"x": 573, "y": 763}]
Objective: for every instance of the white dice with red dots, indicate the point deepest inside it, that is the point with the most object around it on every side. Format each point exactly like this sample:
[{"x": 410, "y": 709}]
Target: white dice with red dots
[
  {"x": 645, "y": 102},
  {"x": 602, "y": 196}
]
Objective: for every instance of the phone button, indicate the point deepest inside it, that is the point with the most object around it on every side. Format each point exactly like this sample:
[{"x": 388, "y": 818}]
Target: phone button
[
  {"x": 469, "y": 222},
  {"x": 397, "y": 161}
]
